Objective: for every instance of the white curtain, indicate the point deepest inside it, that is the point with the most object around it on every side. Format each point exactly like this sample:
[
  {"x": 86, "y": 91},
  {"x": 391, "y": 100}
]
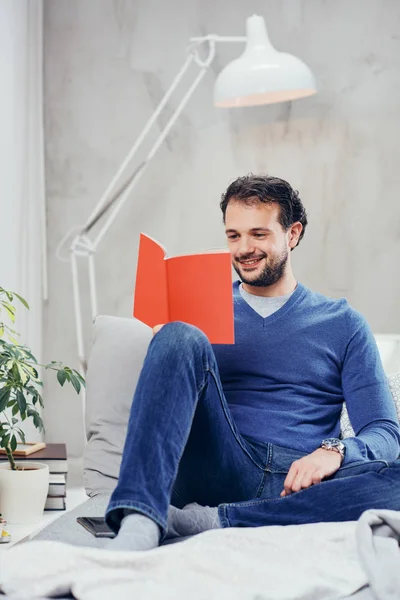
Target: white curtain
[{"x": 22, "y": 206}]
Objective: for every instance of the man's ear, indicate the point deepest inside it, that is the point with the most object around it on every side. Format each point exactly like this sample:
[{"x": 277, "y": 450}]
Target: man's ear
[{"x": 294, "y": 234}]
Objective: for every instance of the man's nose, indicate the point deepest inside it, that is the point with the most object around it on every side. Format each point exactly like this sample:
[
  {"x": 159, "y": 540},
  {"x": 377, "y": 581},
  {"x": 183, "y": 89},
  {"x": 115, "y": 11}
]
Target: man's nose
[{"x": 246, "y": 246}]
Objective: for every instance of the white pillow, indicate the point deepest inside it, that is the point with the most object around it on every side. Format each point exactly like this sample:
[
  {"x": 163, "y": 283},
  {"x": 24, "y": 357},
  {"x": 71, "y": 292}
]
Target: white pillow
[{"x": 116, "y": 359}]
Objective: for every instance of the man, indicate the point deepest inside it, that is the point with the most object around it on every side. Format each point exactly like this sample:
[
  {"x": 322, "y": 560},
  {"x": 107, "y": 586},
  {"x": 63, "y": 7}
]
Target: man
[{"x": 247, "y": 435}]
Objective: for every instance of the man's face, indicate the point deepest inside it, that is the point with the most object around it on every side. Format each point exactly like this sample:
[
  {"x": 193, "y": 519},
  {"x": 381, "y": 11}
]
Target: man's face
[{"x": 257, "y": 242}]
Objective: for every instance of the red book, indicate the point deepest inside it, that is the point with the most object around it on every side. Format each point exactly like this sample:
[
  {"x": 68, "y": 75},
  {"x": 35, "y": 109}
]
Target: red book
[{"x": 195, "y": 289}]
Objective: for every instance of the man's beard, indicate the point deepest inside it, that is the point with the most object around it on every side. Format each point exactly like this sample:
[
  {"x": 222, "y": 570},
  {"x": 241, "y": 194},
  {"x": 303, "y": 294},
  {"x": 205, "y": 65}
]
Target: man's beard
[{"x": 270, "y": 274}]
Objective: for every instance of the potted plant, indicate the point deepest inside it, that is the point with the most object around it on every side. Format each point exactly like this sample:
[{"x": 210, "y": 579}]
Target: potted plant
[{"x": 23, "y": 486}]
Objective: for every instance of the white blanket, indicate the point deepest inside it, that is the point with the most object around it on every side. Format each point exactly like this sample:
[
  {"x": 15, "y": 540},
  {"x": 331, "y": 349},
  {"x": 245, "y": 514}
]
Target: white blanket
[{"x": 317, "y": 561}]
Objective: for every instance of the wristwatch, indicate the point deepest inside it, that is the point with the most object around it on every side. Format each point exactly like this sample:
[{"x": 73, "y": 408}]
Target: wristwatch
[{"x": 334, "y": 444}]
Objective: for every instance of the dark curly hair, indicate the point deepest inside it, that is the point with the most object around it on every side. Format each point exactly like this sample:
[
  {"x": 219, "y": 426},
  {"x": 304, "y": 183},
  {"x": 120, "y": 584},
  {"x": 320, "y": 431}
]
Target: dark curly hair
[{"x": 263, "y": 188}]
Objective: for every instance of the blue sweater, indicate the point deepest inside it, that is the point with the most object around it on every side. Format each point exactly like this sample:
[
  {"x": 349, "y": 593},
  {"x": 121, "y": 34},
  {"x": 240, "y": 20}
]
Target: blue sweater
[{"x": 287, "y": 375}]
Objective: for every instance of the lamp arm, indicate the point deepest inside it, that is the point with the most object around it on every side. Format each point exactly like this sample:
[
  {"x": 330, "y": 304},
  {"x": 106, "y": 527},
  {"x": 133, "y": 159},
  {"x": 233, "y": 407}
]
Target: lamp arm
[
  {"x": 122, "y": 194},
  {"x": 78, "y": 313},
  {"x": 140, "y": 139},
  {"x": 103, "y": 205},
  {"x": 143, "y": 166},
  {"x": 218, "y": 38}
]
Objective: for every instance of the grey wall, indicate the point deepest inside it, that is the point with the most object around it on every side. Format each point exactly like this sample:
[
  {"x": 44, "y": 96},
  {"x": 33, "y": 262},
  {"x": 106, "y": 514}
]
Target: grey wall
[{"x": 107, "y": 64}]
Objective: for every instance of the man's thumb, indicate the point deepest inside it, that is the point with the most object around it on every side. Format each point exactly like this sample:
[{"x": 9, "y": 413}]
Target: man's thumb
[{"x": 157, "y": 328}]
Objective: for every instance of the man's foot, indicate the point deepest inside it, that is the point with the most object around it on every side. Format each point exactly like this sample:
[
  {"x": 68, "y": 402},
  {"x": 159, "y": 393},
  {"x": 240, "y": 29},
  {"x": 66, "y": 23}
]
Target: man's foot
[
  {"x": 191, "y": 519},
  {"x": 137, "y": 532}
]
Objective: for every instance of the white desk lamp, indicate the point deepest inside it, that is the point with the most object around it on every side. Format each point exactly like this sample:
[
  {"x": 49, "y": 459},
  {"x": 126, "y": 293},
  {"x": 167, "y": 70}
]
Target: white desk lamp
[{"x": 261, "y": 75}]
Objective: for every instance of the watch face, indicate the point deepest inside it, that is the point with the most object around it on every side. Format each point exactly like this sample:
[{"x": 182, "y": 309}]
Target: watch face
[{"x": 332, "y": 442}]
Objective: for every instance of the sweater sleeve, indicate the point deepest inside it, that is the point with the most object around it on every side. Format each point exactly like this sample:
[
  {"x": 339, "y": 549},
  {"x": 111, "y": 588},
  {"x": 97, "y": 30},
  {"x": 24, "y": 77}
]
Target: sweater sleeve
[{"x": 368, "y": 399}]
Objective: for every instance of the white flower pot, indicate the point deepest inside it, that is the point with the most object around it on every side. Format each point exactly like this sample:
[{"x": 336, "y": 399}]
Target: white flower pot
[{"x": 23, "y": 493}]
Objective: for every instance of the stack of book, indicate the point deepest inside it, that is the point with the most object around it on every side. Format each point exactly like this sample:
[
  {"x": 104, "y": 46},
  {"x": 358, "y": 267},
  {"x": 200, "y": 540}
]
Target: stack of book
[{"x": 53, "y": 455}]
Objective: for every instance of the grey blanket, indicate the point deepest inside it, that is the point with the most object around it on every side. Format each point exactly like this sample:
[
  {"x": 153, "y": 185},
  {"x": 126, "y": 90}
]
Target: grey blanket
[
  {"x": 363, "y": 562},
  {"x": 378, "y": 538}
]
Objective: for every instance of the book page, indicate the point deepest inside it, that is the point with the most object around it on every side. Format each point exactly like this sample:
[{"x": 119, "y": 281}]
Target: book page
[
  {"x": 151, "y": 298},
  {"x": 200, "y": 293}
]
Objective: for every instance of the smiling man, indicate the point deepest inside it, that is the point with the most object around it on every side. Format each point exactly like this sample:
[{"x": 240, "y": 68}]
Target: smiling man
[
  {"x": 260, "y": 254},
  {"x": 247, "y": 435}
]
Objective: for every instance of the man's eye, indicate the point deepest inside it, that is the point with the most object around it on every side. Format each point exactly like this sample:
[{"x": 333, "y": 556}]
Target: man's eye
[
  {"x": 259, "y": 235},
  {"x": 232, "y": 237}
]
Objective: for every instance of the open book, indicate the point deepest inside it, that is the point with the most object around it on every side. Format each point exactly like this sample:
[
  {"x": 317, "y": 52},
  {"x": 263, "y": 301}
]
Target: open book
[{"x": 195, "y": 289}]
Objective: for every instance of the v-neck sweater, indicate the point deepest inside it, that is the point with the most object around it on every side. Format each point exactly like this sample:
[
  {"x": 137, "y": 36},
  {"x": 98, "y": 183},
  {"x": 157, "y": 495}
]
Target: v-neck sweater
[{"x": 287, "y": 375}]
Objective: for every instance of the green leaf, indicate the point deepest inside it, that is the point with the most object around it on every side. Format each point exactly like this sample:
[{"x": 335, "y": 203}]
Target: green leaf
[
  {"x": 13, "y": 443},
  {"x": 22, "y": 373},
  {"x": 15, "y": 409},
  {"x": 14, "y": 420},
  {"x": 31, "y": 371},
  {"x": 9, "y": 330},
  {"x": 79, "y": 376},
  {"x": 37, "y": 421},
  {"x": 10, "y": 310},
  {"x": 30, "y": 389},
  {"x": 22, "y": 300},
  {"x": 61, "y": 376},
  {"x": 4, "y": 397},
  {"x": 29, "y": 355},
  {"x": 75, "y": 382},
  {"x": 21, "y": 435},
  {"x": 21, "y": 401},
  {"x": 5, "y": 428}
]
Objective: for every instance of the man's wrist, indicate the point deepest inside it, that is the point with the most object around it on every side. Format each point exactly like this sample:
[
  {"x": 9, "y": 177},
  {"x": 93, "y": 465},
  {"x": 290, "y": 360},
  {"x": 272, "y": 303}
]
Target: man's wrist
[
  {"x": 334, "y": 445},
  {"x": 333, "y": 451}
]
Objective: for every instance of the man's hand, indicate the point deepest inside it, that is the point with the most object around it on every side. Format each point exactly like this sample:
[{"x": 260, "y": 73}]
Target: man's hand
[
  {"x": 311, "y": 469},
  {"x": 157, "y": 328}
]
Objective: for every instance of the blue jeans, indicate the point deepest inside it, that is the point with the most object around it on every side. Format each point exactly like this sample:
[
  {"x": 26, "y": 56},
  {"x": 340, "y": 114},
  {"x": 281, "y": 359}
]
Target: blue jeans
[{"x": 183, "y": 446}]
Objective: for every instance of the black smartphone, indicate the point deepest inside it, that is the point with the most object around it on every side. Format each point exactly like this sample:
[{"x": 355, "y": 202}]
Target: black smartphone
[{"x": 97, "y": 526}]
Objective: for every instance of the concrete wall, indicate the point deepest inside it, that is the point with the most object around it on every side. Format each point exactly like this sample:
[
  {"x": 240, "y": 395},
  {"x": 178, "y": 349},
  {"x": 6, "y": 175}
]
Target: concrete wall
[{"x": 108, "y": 63}]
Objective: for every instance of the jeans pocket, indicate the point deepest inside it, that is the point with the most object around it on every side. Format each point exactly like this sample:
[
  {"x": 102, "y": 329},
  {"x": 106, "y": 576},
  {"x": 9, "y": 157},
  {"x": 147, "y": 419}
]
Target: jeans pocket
[
  {"x": 259, "y": 452},
  {"x": 281, "y": 458}
]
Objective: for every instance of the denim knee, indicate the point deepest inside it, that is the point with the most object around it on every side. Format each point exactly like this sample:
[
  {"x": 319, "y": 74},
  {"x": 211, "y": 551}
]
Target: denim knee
[
  {"x": 185, "y": 334},
  {"x": 182, "y": 343}
]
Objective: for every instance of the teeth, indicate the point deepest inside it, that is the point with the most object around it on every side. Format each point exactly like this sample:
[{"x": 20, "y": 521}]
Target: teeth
[{"x": 250, "y": 262}]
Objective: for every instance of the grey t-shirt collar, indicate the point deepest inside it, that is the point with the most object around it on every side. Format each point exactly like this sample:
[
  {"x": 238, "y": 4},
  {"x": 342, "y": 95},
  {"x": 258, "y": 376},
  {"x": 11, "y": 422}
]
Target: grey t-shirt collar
[{"x": 264, "y": 305}]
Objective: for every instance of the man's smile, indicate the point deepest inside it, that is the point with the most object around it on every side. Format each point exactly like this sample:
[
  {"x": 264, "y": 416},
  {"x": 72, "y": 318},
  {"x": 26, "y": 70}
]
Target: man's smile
[{"x": 250, "y": 263}]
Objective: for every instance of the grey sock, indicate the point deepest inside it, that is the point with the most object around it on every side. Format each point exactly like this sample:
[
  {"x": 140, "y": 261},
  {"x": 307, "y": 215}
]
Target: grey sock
[
  {"x": 191, "y": 519},
  {"x": 137, "y": 532}
]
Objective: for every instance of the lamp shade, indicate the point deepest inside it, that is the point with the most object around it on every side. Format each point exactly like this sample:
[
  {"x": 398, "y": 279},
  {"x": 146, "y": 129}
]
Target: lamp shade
[{"x": 262, "y": 75}]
